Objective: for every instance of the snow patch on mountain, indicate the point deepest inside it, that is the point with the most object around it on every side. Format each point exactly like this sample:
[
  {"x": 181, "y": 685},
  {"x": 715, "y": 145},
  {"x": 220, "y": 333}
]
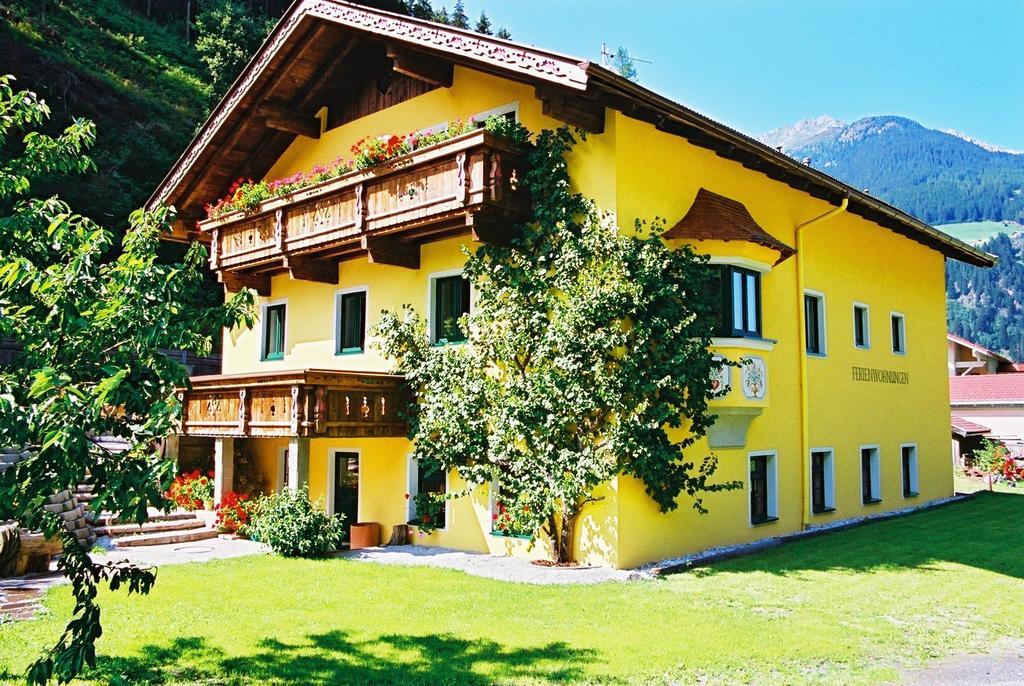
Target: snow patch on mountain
[
  {"x": 981, "y": 144},
  {"x": 803, "y": 132}
]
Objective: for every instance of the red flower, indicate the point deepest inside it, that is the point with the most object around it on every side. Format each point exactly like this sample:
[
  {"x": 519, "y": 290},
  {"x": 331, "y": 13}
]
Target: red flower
[{"x": 426, "y": 519}]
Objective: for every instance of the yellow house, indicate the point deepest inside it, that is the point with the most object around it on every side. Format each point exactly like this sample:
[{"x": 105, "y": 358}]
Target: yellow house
[{"x": 834, "y": 298}]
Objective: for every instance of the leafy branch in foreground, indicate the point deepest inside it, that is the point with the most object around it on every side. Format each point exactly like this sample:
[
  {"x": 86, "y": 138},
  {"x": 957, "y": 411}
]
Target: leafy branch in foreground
[
  {"x": 588, "y": 357},
  {"x": 91, "y": 320}
]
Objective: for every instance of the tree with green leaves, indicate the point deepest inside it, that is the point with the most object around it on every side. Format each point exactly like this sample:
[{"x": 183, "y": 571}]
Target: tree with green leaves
[
  {"x": 624, "y": 64},
  {"x": 459, "y": 19},
  {"x": 91, "y": 319},
  {"x": 483, "y": 24},
  {"x": 588, "y": 357},
  {"x": 228, "y": 33}
]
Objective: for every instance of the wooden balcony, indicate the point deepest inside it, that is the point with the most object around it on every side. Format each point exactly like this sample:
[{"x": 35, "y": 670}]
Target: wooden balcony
[
  {"x": 466, "y": 183},
  {"x": 309, "y": 403}
]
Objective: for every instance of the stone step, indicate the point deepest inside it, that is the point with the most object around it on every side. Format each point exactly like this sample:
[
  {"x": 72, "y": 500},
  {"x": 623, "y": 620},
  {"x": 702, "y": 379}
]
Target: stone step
[
  {"x": 108, "y": 519},
  {"x": 84, "y": 488},
  {"x": 167, "y": 538},
  {"x": 150, "y": 527}
]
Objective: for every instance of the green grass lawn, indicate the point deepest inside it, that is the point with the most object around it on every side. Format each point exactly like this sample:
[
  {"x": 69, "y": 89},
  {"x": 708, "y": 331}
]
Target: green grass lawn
[
  {"x": 850, "y": 607},
  {"x": 964, "y": 484},
  {"x": 979, "y": 231}
]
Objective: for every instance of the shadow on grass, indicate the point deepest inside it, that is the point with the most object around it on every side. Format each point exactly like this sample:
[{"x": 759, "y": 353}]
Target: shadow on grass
[
  {"x": 983, "y": 532},
  {"x": 334, "y": 658}
]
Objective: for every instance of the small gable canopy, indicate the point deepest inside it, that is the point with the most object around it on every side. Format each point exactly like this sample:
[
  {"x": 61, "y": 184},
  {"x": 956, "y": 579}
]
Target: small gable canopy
[{"x": 714, "y": 217}]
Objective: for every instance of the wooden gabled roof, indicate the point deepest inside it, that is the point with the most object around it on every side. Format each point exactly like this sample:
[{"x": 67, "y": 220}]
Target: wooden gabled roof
[
  {"x": 321, "y": 45},
  {"x": 714, "y": 217}
]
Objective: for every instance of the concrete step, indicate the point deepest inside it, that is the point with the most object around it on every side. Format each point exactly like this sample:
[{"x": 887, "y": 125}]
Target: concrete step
[
  {"x": 84, "y": 488},
  {"x": 151, "y": 527},
  {"x": 166, "y": 538}
]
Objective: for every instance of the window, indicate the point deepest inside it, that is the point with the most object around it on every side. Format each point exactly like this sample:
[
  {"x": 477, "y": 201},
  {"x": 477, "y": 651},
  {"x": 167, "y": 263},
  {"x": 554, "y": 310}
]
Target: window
[
  {"x": 351, "y": 322},
  {"x": 420, "y": 481},
  {"x": 861, "y": 326},
  {"x": 909, "y": 464},
  {"x": 740, "y": 302},
  {"x": 273, "y": 332},
  {"x": 870, "y": 479},
  {"x": 899, "y": 334},
  {"x": 762, "y": 489},
  {"x": 450, "y": 296},
  {"x": 823, "y": 493},
  {"x": 814, "y": 323},
  {"x": 509, "y": 112}
]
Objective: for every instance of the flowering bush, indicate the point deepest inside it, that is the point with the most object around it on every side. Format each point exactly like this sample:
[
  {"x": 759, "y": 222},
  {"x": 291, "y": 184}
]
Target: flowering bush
[
  {"x": 429, "y": 511},
  {"x": 245, "y": 195},
  {"x": 512, "y": 517},
  {"x": 232, "y": 512},
  {"x": 189, "y": 491},
  {"x": 293, "y": 526}
]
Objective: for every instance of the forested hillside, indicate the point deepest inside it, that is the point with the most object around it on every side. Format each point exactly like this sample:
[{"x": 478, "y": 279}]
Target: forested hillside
[
  {"x": 139, "y": 80},
  {"x": 147, "y": 72},
  {"x": 938, "y": 176},
  {"x": 985, "y": 305}
]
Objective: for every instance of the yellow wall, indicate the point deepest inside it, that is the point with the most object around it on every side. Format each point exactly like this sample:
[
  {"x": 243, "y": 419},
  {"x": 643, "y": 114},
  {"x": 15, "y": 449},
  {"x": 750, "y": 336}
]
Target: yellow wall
[
  {"x": 640, "y": 173},
  {"x": 847, "y": 259}
]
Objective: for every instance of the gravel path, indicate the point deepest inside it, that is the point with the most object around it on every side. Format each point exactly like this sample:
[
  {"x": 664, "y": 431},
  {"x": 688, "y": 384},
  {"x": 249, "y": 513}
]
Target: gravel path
[
  {"x": 1003, "y": 666},
  {"x": 490, "y": 566}
]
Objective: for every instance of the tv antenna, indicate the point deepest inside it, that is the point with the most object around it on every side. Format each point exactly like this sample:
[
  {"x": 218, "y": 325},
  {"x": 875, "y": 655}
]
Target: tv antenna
[{"x": 607, "y": 56}]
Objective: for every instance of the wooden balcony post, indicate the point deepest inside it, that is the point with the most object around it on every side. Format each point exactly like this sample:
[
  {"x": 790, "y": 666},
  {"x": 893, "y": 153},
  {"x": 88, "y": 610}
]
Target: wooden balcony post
[
  {"x": 298, "y": 411},
  {"x": 244, "y": 411},
  {"x": 360, "y": 218},
  {"x": 214, "y": 249},
  {"x": 279, "y": 229},
  {"x": 464, "y": 177}
]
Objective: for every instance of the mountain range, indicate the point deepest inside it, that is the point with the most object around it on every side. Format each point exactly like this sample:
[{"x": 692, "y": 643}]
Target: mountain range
[{"x": 940, "y": 177}]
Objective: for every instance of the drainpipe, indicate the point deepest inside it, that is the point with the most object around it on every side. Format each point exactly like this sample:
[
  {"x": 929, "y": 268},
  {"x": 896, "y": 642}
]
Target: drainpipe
[{"x": 805, "y": 438}]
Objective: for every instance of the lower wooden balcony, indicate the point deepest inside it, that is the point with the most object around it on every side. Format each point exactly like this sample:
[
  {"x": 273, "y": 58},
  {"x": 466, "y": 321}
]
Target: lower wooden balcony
[
  {"x": 306, "y": 403},
  {"x": 468, "y": 183}
]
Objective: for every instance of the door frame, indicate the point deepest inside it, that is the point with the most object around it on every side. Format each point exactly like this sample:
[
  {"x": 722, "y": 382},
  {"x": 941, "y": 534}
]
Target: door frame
[{"x": 332, "y": 459}]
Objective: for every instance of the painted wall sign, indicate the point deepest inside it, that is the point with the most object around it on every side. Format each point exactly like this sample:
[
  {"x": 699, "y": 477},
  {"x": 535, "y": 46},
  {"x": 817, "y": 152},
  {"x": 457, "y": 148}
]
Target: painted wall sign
[
  {"x": 755, "y": 378},
  {"x": 881, "y": 376},
  {"x": 720, "y": 383}
]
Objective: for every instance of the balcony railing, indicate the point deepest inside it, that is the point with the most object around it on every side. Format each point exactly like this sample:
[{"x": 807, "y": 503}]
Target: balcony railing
[
  {"x": 385, "y": 212},
  {"x": 305, "y": 403}
]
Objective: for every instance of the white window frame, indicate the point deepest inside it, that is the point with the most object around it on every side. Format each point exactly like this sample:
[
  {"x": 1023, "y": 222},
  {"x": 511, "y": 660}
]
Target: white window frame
[
  {"x": 337, "y": 318},
  {"x": 822, "y": 326},
  {"x": 830, "y": 479},
  {"x": 867, "y": 325},
  {"x": 914, "y": 483},
  {"x": 481, "y": 117},
  {"x": 412, "y": 470},
  {"x": 876, "y": 473},
  {"x": 903, "y": 333},
  {"x": 263, "y": 326},
  {"x": 431, "y": 289},
  {"x": 772, "y": 475},
  {"x": 331, "y": 474}
]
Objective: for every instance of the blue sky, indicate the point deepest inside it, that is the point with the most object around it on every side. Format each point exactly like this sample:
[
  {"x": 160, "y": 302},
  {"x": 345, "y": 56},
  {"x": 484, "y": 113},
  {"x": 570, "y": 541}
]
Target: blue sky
[{"x": 759, "y": 64}]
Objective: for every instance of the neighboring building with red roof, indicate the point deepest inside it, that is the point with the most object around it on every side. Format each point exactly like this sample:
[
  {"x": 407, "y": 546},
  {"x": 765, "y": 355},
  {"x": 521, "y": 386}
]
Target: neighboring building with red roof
[
  {"x": 967, "y": 358},
  {"x": 986, "y": 405}
]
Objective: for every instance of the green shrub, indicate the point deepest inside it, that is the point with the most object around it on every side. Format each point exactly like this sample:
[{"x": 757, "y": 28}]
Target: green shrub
[{"x": 293, "y": 526}]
